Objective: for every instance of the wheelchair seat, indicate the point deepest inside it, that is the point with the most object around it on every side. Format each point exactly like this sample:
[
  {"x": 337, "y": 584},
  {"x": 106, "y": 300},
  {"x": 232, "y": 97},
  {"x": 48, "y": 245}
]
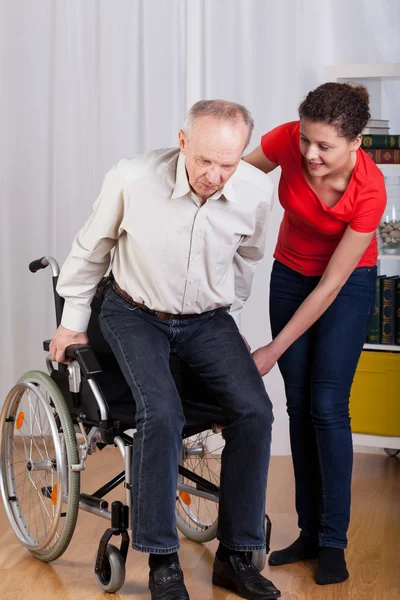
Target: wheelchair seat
[{"x": 200, "y": 406}]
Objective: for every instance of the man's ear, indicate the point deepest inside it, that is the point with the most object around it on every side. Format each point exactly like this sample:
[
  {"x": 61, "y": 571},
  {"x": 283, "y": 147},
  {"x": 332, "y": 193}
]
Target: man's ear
[{"x": 182, "y": 141}]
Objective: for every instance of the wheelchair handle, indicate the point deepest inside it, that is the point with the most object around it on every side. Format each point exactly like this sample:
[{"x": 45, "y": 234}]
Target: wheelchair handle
[{"x": 42, "y": 263}]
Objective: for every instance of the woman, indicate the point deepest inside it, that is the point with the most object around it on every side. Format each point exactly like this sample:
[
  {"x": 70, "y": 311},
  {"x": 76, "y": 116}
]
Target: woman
[{"x": 321, "y": 303}]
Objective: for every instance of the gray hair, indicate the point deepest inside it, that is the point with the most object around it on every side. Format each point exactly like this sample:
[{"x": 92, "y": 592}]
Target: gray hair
[{"x": 220, "y": 109}]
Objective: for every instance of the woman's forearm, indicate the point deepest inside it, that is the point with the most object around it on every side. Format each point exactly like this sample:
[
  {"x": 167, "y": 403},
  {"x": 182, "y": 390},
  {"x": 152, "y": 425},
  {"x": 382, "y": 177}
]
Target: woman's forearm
[{"x": 306, "y": 315}]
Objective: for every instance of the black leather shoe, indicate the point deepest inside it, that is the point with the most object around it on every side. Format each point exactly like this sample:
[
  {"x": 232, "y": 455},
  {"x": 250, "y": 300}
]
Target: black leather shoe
[
  {"x": 166, "y": 583},
  {"x": 240, "y": 575}
]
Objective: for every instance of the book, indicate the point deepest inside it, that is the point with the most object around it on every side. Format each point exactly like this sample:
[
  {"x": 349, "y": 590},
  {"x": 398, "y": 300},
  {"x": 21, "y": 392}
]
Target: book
[
  {"x": 374, "y": 333},
  {"x": 377, "y": 123},
  {"x": 380, "y": 141},
  {"x": 397, "y": 316},
  {"x": 383, "y": 156},
  {"x": 376, "y": 130},
  {"x": 388, "y": 310}
]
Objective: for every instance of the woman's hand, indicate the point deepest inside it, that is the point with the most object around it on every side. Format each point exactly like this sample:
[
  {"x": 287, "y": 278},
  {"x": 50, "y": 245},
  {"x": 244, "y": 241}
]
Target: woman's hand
[{"x": 266, "y": 357}]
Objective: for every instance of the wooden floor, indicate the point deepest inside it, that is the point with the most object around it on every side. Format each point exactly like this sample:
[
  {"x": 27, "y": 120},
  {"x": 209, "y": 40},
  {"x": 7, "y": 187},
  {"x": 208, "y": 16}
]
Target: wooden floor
[{"x": 373, "y": 556}]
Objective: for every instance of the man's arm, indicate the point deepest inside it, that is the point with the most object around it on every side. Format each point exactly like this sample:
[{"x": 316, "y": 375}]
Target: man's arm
[
  {"x": 87, "y": 262},
  {"x": 247, "y": 257}
]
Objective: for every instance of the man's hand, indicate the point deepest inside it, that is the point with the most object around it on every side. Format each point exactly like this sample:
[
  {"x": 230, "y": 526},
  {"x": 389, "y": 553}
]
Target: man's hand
[
  {"x": 62, "y": 338},
  {"x": 265, "y": 358}
]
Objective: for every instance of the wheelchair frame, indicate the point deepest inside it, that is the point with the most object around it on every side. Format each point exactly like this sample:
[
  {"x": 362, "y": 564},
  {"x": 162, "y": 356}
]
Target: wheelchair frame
[{"x": 82, "y": 370}]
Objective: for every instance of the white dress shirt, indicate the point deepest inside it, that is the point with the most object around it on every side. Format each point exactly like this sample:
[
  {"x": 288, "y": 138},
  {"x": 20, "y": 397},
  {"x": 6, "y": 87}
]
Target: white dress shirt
[{"x": 171, "y": 253}]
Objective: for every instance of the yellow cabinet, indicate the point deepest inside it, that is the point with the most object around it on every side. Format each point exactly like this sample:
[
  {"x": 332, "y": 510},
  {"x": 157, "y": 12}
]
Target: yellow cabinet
[{"x": 375, "y": 395}]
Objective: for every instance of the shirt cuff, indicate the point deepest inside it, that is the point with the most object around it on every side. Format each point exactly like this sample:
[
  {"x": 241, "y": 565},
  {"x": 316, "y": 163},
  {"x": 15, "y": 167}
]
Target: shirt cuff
[{"x": 76, "y": 319}]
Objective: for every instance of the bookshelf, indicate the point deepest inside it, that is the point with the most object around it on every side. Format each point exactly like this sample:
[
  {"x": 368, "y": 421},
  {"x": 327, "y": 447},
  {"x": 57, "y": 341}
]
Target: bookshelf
[{"x": 382, "y": 81}]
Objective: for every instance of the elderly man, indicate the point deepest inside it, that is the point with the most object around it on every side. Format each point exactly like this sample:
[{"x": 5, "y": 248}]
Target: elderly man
[{"x": 188, "y": 226}]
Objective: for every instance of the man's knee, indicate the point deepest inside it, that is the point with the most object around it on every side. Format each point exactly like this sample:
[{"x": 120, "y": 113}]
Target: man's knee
[
  {"x": 163, "y": 419},
  {"x": 259, "y": 417}
]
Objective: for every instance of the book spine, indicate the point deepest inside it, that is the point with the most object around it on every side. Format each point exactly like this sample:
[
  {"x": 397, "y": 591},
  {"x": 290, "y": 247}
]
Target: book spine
[
  {"x": 397, "y": 316},
  {"x": 387, "y": 310},
  {"x": 381, "y": 156},
  {"x": 374, "y": 333},
  {"x": 380, "y": 141}
]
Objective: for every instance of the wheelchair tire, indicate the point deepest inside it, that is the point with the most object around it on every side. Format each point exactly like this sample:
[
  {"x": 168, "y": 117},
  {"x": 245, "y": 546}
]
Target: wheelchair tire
[
  {"x": 37, "y": 446},
  {"x": 112, "y": 578},
  {"x": 197, "y": 517}
]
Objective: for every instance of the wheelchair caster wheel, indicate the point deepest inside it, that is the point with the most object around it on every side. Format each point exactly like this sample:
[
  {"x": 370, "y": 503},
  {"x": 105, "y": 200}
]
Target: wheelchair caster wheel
[
  {"x": 112, "y": 576},
  {"x": 258, "y": 558},
  {"x": 391, "y": 451}
]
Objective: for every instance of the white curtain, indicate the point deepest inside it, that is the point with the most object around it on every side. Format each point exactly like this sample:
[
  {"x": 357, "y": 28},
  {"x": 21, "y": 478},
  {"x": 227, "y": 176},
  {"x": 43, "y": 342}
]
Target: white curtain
[{"x": 86, "y": 82}]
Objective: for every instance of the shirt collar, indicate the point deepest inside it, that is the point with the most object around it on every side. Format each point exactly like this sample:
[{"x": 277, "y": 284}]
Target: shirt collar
[{"x": 182, "y": 186}]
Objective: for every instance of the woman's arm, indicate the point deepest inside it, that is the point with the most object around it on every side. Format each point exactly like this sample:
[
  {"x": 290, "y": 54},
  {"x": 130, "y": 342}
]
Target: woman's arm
[
  {"x": 343, "y": 262},
  {"x": 258, "y": 159}
]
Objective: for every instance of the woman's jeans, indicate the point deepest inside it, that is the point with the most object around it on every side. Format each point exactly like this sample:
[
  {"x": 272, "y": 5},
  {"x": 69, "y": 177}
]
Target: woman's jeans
[
  {"x": 318, "y": 371},
  {"x": 213, "y": 347}
]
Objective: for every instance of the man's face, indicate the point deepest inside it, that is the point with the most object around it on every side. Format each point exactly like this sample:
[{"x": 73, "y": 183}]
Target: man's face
[{"x": 213, "y": 150}]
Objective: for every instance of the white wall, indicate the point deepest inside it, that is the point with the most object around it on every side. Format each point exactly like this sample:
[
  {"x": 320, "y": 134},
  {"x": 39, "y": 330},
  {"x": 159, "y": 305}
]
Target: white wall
[{"x": 84, "y": 83}]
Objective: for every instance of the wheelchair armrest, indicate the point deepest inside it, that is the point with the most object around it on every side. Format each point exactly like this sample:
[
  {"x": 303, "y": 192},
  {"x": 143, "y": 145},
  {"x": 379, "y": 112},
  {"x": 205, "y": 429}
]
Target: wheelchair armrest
[{"x": 84, "y": 355}]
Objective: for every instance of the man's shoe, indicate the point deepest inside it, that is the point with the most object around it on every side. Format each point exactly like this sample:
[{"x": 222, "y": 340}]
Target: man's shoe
[
  {"x": 240, "y": 575},
  {"x": 166, "y": 583}
]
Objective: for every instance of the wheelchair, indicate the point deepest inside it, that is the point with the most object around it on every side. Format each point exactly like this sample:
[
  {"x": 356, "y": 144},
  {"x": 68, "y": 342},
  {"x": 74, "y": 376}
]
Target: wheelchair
[{"x": 51, "y": 423}]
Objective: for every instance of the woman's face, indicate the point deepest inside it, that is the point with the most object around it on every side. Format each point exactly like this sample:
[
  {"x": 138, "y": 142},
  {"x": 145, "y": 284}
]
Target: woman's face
[{"x": 324, "y": 151}]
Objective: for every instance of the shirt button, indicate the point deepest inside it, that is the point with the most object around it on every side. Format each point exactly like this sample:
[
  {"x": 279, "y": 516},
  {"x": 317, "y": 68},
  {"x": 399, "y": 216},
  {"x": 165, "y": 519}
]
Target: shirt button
[{"x": 188, "y": 303}]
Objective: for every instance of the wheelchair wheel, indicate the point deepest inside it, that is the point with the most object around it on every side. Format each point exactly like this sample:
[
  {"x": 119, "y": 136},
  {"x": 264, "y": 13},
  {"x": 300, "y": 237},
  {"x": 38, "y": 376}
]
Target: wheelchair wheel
[
  {"x": 112, "y": 577},
  {"x": 197, "y": 516},
  {"x": 37, "y": 445}
]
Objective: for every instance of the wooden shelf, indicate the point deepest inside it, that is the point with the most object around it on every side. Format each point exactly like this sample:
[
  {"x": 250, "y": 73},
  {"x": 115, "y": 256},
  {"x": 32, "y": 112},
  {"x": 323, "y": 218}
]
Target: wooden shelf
[{"x": 382, "y": 347}]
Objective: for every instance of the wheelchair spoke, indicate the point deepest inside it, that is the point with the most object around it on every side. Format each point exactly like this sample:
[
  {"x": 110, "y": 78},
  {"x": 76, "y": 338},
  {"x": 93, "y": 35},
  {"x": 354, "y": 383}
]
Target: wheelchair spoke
[
  {"x": 199, "y": 514},
  {"x": 16, "y": 452}
]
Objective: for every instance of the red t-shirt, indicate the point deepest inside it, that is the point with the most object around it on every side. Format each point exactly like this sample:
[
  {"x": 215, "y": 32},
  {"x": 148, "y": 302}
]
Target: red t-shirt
[{"x": 310, "y": 231}]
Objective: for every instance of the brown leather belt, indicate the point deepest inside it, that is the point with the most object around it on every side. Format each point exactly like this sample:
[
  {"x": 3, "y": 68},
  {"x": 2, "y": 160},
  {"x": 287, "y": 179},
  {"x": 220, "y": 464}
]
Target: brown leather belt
[{"x": 164, "y": 316}]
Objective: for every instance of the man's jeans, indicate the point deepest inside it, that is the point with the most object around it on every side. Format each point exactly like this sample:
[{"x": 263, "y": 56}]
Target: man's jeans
[
  {"x": 213, "y": 347},
  {"x": 318, "y": 371}
]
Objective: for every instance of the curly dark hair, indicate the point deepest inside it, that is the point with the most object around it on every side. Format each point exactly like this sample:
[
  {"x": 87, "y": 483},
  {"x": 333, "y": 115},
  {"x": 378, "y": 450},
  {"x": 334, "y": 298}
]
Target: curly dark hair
[{"x": 343, "y": 105}]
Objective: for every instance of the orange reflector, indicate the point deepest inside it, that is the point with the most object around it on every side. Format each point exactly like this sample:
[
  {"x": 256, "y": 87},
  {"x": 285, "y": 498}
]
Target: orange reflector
[
  {"x": 54, "y": 495},
  {"x": 20, "y": 420},
  {"x": 185, "y": 497}
]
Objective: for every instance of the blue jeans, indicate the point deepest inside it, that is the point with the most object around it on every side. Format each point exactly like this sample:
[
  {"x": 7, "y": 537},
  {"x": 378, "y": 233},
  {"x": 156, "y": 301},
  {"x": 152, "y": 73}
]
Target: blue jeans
[
  {"x": 213, "y": 347},
  {"x": 318, "y": 371}
]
